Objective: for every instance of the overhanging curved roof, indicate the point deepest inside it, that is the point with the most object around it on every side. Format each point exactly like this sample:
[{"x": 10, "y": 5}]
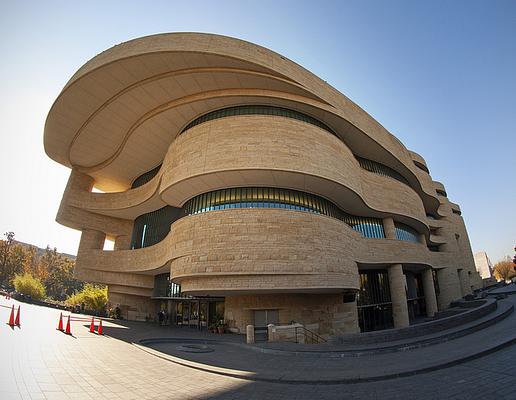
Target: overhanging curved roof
[{"x": 116, "y": 117}]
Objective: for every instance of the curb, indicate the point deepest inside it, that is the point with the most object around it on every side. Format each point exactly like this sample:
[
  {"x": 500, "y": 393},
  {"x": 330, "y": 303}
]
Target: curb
[{"x": 245, "y": 375}]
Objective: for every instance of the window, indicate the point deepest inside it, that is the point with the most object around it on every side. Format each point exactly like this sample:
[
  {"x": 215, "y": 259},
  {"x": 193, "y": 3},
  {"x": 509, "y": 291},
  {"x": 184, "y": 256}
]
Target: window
[
  {"x": 405, "y": 232},
  {"x": 257, "y": 110},
  {"x": 421, "y": 167},
  {"x": 380, "y": 169},
  {"x": 146, "y": 177}
]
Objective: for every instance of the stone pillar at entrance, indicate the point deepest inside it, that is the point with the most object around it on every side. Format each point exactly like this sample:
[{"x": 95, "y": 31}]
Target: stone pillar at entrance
[
  {"x": 398, "y": 296},
  {"x": 429, "y": 290}
]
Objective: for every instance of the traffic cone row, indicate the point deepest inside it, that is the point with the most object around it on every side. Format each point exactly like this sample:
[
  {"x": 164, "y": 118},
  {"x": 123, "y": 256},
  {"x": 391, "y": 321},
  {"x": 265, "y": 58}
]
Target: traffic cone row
[
  {"x": 67, "y": 330},
  {"x": 12, "y": 320},
  {"x": 92, "y": 326}
]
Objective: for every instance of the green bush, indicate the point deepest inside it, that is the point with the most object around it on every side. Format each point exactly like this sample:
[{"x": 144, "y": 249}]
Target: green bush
[
  {"x": 93, "y": 297},
  {"x": 29, "y": 286}
]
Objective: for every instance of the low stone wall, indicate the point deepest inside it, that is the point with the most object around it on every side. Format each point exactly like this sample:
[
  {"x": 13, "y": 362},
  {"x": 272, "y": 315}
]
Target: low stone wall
[
  {"x": 285, "y": 333},
  {"x": 324, "y": 314},
  {"x": 425, "y": 328}
]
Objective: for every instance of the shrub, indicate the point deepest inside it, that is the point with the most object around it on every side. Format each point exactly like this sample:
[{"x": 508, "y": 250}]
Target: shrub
[
  {"x": 94, "y": 297},
  {"x": 27, "y": 285}
]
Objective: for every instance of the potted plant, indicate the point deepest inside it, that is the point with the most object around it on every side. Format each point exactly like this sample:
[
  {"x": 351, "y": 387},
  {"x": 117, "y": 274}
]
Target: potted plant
[
  {"x": 213, "y": 328},
  {"x": 221, "y": 326}
]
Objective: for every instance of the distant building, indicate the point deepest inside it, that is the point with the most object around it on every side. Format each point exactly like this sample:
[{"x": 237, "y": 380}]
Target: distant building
[{"x": 483, "y": 264}]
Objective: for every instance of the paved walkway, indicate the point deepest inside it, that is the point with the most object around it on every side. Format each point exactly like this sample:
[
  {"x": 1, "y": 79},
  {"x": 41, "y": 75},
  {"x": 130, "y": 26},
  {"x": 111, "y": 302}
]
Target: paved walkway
[
  {"x": 241, "y": 361},
  {"x": 508, "y": 289},
  {"x": 39, "y": 362}
]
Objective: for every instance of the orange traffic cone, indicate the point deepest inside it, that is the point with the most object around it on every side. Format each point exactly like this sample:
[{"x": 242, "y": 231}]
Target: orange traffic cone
[
  {"x": 68, "y": 331},
  {"x": 92, "y": 325},
  {"x": 99, "y": 331},
  {"x": 60, "y": 324},
  {"x": 11, "y": 318},
  {"x": 17, "y": 319}
]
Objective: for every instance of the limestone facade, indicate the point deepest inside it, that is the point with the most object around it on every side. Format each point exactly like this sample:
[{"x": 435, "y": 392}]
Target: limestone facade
[{"x": 130, "y": 110}]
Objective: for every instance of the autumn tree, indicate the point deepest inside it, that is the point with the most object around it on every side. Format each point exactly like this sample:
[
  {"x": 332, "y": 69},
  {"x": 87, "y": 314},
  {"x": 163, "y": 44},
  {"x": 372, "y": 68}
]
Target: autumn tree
[
  {"x": 504, "y": 270},
  {"x": 51, "y": 268},
  {"x": 8, "y": 265},
  {"x": 59, "y": 280},
  {"x": 29, "y": 286},
  {"x": 94, "y": 297}
]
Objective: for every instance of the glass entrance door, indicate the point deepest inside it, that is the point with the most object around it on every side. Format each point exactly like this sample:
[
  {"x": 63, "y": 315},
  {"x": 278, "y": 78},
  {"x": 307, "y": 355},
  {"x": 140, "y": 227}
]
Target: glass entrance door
[{"x": 194, "y": 314}]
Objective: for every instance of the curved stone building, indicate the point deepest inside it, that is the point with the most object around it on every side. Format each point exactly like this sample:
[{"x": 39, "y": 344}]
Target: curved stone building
[{"x": 236, "y": 183}]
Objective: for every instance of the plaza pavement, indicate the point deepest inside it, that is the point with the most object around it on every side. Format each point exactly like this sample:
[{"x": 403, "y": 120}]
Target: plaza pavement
[{"x": 39, "y": 362}]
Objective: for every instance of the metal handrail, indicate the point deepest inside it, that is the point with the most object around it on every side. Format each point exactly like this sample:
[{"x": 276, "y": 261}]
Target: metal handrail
[{"x": 313, "y": 337}]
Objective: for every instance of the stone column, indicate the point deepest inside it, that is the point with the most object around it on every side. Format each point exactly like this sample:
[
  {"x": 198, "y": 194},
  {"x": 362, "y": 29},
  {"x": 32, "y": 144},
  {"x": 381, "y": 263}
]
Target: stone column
[
  {"x": 449, "y": 286},
  {"x": 271, "y": 329},
  {"x": 122, "y": 242},
  {"x": 398, "y": 296},
  {"x": 249, "y": 330},
  {"x": 389, "y": 229},
  {"x": 464, "y": 282},
  {"x": 429, "y": 289},
  {"x": 91, "y": 240}
]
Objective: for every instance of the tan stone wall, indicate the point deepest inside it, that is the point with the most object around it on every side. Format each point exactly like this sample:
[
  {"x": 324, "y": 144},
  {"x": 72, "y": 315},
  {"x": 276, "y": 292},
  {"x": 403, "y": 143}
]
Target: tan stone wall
[
  {"x": 325, "y": 314},
  {"x": 133, "y": 307}
]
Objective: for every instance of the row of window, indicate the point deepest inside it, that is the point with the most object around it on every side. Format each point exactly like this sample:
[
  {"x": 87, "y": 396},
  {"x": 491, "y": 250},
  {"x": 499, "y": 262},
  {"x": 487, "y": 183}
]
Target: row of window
[
  {"x": 153, "y": 227},
  {"x": 380, "y": 169},
  {"x": 258, "y": 197},
  {"x": 257, "y": 110},
  {"x": 405, "y": 232}
]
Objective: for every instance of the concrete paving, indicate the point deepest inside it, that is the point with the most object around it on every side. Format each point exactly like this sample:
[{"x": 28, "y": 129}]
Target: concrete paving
[
  {"x": 39, "y": 362},
  {"x": 507, "y": 289}
]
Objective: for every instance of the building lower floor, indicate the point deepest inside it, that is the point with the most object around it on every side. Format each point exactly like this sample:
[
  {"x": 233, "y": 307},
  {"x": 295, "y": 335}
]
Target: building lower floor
[{"x": 392, "y": 296}]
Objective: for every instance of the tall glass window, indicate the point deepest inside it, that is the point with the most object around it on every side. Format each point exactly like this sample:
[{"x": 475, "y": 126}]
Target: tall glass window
[
  {"x": 164, "y": 287},
  {"x": 374, "y": 301},
  {"x": 257, "y": 110},
  {"x": 151, "y": 228}
]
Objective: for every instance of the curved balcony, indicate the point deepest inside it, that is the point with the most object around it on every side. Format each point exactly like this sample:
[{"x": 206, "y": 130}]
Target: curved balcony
[{"x": 276, "y": 152}]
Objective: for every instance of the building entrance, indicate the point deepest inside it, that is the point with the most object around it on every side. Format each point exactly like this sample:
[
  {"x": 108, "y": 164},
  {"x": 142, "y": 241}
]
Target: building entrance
[{"x": 196, "y": 313}]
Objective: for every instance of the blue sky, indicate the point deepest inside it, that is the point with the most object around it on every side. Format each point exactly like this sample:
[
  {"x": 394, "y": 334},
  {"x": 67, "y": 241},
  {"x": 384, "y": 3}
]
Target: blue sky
[{"x": 439, "y": 75}]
